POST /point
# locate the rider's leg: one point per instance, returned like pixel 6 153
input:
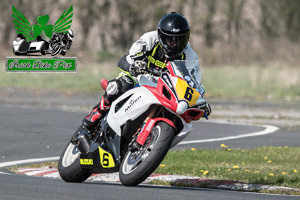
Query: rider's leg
pixel 115 88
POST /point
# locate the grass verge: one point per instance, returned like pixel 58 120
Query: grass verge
pixel 264 83
pixel 274 166
pixel 277 166
pixel 87 79
pixel 14 169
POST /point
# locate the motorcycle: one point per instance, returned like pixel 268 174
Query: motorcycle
pixel 139 129
pixel 58 45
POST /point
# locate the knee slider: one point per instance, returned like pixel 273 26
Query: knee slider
pixel 126 83
pixel 112 88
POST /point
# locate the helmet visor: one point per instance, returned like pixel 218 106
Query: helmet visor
pixel 174 44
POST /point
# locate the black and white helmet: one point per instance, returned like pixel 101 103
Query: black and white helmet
pixel 173 33
pixel 71 33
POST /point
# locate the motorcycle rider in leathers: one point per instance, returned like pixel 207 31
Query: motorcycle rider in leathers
pixel 152 50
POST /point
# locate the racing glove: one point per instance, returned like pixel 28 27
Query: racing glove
pixel 139 67
pixel 207 109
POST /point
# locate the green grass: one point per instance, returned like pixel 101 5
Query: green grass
pixel 270 82
pixel 263 83
pixel 277 166
pixel 87 79
pixel 14 169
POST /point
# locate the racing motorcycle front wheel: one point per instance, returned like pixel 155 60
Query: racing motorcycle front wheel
pixel 56 48
pixel 137 165
pixel 69 167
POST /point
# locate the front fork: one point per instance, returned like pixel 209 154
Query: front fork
pixel 141 138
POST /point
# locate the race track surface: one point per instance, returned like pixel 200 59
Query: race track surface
pixel 35 132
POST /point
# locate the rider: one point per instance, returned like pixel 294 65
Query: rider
pixel 152 50
pixel 65 37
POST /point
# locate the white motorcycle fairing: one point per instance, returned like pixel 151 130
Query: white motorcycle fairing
pixel 139 100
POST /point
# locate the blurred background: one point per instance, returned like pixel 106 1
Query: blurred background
pixel 248 49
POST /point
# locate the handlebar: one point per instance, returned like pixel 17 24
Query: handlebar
pixel 151 71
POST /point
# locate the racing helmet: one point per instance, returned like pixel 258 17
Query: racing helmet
pixel 71 33
pixel 173 33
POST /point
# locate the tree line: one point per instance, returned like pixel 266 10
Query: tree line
pixel 112 25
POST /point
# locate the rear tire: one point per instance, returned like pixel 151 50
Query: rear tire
pixel 136 168
pixel 69 167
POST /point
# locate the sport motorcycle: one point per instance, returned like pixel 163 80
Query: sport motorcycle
pixel 59 45
pixel 141 126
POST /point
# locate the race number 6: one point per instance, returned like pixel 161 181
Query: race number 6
pixel 105 159
pixel 188 94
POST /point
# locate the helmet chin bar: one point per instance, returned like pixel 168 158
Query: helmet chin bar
pixel 167 54
pixel 171 56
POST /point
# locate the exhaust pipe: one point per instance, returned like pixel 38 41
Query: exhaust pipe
pixel 84 144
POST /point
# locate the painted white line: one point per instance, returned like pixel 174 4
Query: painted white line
pixel 7 173
pixel 21 162
pixel 269 129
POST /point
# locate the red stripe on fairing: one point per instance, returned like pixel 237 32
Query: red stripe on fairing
pixel 170 68
pixel 157 92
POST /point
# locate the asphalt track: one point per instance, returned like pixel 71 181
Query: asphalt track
pixel 33 133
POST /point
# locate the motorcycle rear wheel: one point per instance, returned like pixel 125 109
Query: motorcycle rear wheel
pixel 69 167
pixel 137 166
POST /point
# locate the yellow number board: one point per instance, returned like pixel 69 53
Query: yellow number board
pixel 184 91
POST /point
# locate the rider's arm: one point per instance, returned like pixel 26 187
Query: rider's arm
pixel 124 64
pixel 138 50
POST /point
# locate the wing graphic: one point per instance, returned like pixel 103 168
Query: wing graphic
pixel 64 21
pixel 22 25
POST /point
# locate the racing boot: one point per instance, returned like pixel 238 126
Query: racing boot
pixel 91 120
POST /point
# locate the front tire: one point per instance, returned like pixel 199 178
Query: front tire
pixel 55 49
pixel 69 167
pixel 138 165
